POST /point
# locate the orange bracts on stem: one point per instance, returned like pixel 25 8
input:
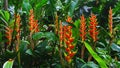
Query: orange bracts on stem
pixel 82 28
pixel 18 26
pixel 110 21
pixel 69 19
pixel 93 27
pixel 33 23
pixel 69 43
pixel 18 19
pixel 8 35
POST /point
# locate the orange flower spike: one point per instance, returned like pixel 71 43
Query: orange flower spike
pixel 69 19
pixel 110 21
pixel 82 28
pixel 31 20
pixel 93 27
pixel 18 26
pixel 33 23
pixel 8 35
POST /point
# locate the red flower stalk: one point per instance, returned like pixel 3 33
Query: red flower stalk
pixel 93 27
pixel 82 28
pixel 8 35
pixel 33 23
pixel 110 21
pixel 69 43
pixel 69 19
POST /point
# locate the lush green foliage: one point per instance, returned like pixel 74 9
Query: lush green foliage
pixel 46 48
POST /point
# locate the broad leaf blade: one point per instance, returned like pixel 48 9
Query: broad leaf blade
pixel 95 56
pixel 8 64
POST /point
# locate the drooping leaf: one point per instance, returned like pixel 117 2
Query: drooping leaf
pixel 8 64
pixel 100 61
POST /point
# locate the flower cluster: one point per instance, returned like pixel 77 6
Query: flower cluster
pixel 69 43
pixel 93 27
pixel 82 28
pixel 33 23
pixel 110 21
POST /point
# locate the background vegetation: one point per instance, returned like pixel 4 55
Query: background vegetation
pixel 22 46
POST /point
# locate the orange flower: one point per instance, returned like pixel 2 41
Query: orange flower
pixel 33 23
pixel 93 27
pixel 82 28
pixel 68 59
pixel 110 21
pixel 8 35
pixel 69 19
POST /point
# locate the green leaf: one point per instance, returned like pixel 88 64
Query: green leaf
pixel 26 6
pixel 72 7
pixel 8 64
pixel 41 3
pixel 77 23
pixel 50 36
pixel 7 15
pixel 95 56
pixel 115 47
pixel 23 45
pixel 29 52
pixel 2 14
pixel 90 65
pixel 38 35
pixel 118 42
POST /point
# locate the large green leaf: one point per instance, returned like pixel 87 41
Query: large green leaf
pixel 8 64
pixel 26 6
pixel 38 35
pixel 100 61
pixel 50 36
